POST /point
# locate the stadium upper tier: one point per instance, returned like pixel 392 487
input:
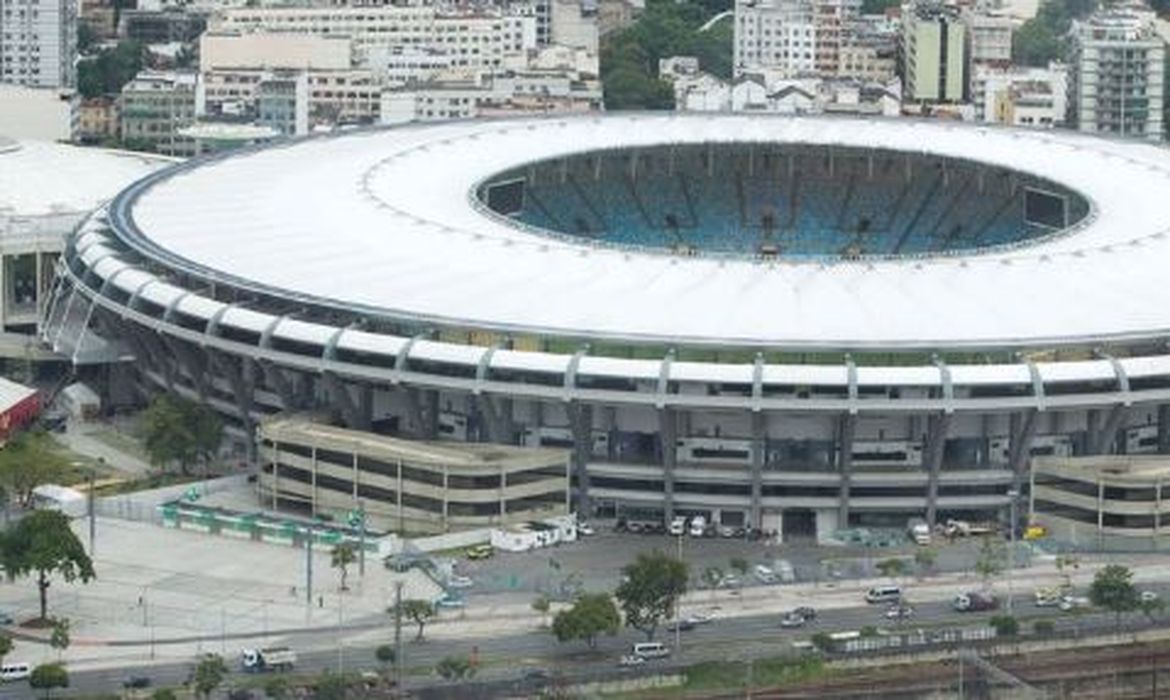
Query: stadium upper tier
pixel 393 226
pixel 789 201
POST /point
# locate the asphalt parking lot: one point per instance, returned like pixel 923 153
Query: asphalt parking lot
pixel 595 562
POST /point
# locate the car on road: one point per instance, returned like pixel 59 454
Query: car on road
pixel 533 680
pixel 457 581
pixel 651 650
pixel 899 612
pixel 632 660
pixel 15 671
pixel 683 625
pixel 809 614
pixel 136 682
pixel 764 574
pixel 1074 602
pixel 729 581
pixel 585 529
pixel 451 601
pixel 481 551
pixel 883 594
pixel 1047 597
pixel 974 602
pixel 1148 596
pixel 6 619
pixel 701 617
pixel 792 619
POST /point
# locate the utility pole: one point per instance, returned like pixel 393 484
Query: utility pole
pixel 90 508
pixel 1014 495
pixel 398 638
pixel 309 567
pixel 677 604
pixel 362 539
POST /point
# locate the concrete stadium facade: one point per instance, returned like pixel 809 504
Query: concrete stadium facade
pixel 789 434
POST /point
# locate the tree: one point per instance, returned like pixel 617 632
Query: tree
pixel 208 674
pixel 739 565
pixel 651 589
pixel 1043 627
pixel 330 686
pixel 5 646
pixel 453 668
pixel 385 655
pixel 925 558
pixel 276 688
pixel 28 461
pixel 343 555
pixel 990 562
pixel 892 568
pixel 49 676
pixel 110 69
pixel 419 612
pixel 542 605
pixel 1113 590
pixel 1005 625
pixel 43 544
pixel 175 430
pixel 591 615
pixel 59 637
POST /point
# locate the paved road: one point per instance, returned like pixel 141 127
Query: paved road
pixel 511 655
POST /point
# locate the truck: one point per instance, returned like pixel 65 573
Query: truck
pixel 974 602
pixel 919 531
pixel 270 659
pixel 962 528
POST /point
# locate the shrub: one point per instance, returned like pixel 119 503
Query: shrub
pixel 1005 625
pixel 1043 627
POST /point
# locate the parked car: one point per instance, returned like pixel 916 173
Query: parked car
pixel 481 551
pixel 729 581
pixel 726 531
pixel 136 682
pixel 792 619
pixel 585 529
pixel 450 601
pixel 1144 596
pixel 678 525
pixel 764 574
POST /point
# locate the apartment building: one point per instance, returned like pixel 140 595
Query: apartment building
pixel 777 36
pixel 38 43
pixel 1116 77
pixel 1021 96
pixel 932 57
pixel 155 106
pixel 480 39
pixel 831 21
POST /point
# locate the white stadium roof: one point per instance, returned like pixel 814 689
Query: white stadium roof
pixel 39 178
pixel 385 221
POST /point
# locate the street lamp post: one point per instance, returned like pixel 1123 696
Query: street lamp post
pixel 677 605
pixel 1014 495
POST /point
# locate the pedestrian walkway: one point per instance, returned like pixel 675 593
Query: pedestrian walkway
pixel 78 438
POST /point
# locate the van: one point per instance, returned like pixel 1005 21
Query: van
pixel 14 672
pixel 698 526
pixel 651 650
pixel 883 594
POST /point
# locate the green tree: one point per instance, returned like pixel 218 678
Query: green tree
pixel 1044 38
pixel 651 588
pixel 385 655
pixel 591 615
pixel 419 612
pixel 165 694
pixel 48 676
pixel 1043 627
pixel 175 430
pixel 1005 625
pixel 59 637
pixel 823 642
pixel 5 646
pixel 28 461
pixel 209 674
pixel 925 558
pixel 276 688
pixel 1113 590
pixel 454 668
pixel 106 73
pixel 990 562
pixel 330 686
pixel 541 606
pixel 1152 608
pixel 42 544
pixel 342 556
pixel 892 568
pixel 739 565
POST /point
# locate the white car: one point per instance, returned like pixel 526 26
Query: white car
pixel 764 574
pixel 729 581
pixel 899 612
pixel 632 660
pixel 792 619
pixel 700 618
pixel 1074 602
pixel 585 529
pixel 1148 596
pixel 457 581
pixel 678 526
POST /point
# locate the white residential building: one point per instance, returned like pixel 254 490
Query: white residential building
pixel 775 35
pixel 38 42
pixel 932 61
pixel 273 51
pixel 574 24
pixel 1021 96
pixel 473 39
pixel 1117 75
pixel 491 95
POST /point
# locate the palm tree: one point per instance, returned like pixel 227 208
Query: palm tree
pixel 343 556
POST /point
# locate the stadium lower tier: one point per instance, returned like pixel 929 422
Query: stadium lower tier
pixel 804 449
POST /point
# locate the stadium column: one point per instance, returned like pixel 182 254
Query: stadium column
pixel 191 362
pixel 430 414
pixel 581 424
pixel 759 453
pixel 227 368
pixel 846 428
pixel 343 401
pixel 276 378
pixel 668 440
pixel 936 440
pixel 1104 438
pixel 1021 446
pixel 1164 429
pixel 414 412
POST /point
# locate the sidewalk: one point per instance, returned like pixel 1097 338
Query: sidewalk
pixel 79 440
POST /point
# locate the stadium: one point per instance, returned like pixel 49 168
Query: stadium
pixel 794 324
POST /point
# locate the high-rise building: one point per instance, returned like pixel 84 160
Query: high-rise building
pixel 775 36
pixel 831 19
pixel 38 42
pixel 932 57
pixel 155 107
pixel 1116 80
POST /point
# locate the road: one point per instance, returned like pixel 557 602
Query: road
pixel 510 656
